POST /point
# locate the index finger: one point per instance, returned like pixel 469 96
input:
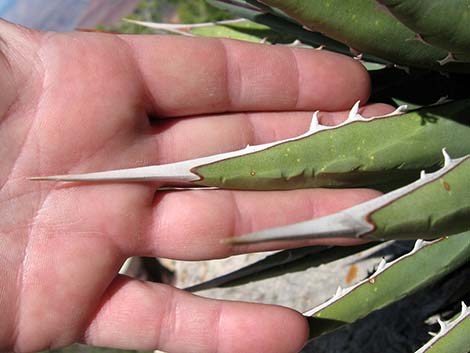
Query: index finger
pixel 188 76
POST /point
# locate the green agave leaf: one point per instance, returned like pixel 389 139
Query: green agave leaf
pixel 425 264
pixel 238 6
pixel 445 24
pixel 435 205
pixel 234 29
pixel 354 154
pixel 373 66
pixel 367 29
pixel 250 32
pixel 287 26
pixel 453 336
pixel 349 155
pixel 247 31
pixel 286 261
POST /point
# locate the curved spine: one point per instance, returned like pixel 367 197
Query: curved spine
pixel 435 205
pixel 391 282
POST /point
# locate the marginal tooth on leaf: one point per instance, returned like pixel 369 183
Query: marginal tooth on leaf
pixel 442 324
pixel 464 309
pixel 321 47
pixel 399 111
pixel 418 245
pixel 448 59
pixel 433 334
pixel 422 175
pixel 358 57
pixel 419 38
pixel 307 29
pixel 339 291
pixel 354 52
pixel 382 265
pixel 447 159
pixel 404 68
pixel 263 40
pixel 295 43
pixel 442 100
pixel 314 124
pixel 353 112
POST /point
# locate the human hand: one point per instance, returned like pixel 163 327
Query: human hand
pixel 80 102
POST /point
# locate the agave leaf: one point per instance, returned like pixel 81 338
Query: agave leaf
pixel 355 153
pixel 286 261
pixel 453 336
pixel 246 30
pixel 233 29
pixel 436 204
pixel 440 23
pixel 242 8
pixel 367 29
pixel 280 22
pixel 425 264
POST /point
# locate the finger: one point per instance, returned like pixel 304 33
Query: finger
pixel 187 76
pixel 187 138
pixel 189 225
pixel 144 316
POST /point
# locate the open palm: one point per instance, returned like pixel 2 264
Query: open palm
pixel 81 102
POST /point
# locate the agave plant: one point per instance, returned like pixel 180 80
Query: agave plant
pixel 418 53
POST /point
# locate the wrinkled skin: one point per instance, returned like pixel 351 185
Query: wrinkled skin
pixel 81 102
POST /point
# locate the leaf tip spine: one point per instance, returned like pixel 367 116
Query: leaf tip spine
pixel 39 178
pixel 52 178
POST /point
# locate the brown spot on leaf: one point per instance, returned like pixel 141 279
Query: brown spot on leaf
pixel 352 274
pixel 446 185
